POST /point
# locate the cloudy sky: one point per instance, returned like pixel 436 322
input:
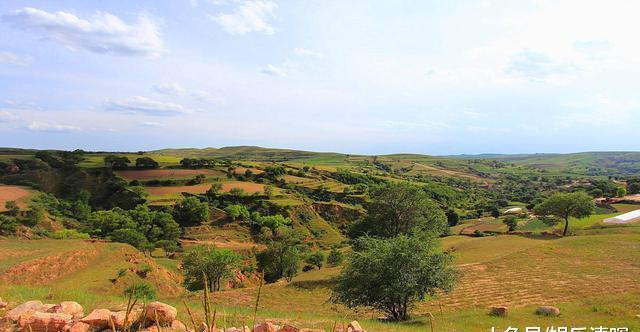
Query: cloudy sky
pixel 435 77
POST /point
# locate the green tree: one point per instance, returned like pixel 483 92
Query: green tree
pixel 511 222
pixel 12 208
pixel 116 162
pixel 452 218
pixel 634 188
pixel 401 208
pixel 621 192
pixel 495 212
pixel 565 205
pixel 237 211
pixel 129 236
pixel 391 275
pixel 268 191
pixel 335 256
pixel 281 258
pixel 216 264
pixel 146 163
pixel 316 259
pixel 190 211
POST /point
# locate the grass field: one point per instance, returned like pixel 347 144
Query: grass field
pixel 521 272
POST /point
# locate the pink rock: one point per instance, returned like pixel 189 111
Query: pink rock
pixel 177 325
pixel 164 312
pixel 119 318
pixel 68 307
pixel 98 319
pixel 24 310
pixel 79 327
pixel 289 328
pixel 354 327
pixel 45 322
pixel 266 327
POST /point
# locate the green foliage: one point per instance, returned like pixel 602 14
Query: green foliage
pixel 511 222
pixel 196 163
pixel 401 208
pixel 35 214
pixel 69 234
pixel 146 163
pixel 12 208
pixel 268 191
pixel 316 259
pixel 634 188
pixel 335 256
pixel 190 211
pixel 8 225
pixel 236 192
pixel 272 222
pixel 215 264
pixel 564 205
pixel 144 270
pixel 280 259
pixel 621 192
pixel 452 218
pixel 141 291
pixel 391 275
pixel 116 162
pixel 237 211
pixel 139 227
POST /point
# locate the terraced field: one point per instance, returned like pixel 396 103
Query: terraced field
pixel 148 174
pixel 14 193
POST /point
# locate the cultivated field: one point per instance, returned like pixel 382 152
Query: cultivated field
pixel 248 187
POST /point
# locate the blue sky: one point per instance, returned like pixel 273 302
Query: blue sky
pixel 434 77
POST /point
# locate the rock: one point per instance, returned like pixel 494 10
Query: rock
pixel 548 311
pixel 45 322
pixel 177 325
pixel 500 311
pixel 98 319
pixel 26 309
pixel 151 328
pixel 119 318
pixel 266 327
pixel 79 327
pixel 68 307
pixel 354 327
pixel 3 304
pixel 165 313
pixel 289 328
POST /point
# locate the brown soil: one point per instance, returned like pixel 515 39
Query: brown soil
pixel 43 270
pixel 13 193
pixel 248 187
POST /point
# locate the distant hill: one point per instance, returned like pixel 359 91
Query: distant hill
pixel 248 153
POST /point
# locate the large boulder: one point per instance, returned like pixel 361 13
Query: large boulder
pixel 119 317
pixel 354 327
pixel 548 310
pixel 24 310
pixel 68 307
pixel 98 319
pixel 44 322
pixel 266 327
pixel 164 313
pixel 499 311
pixel 79 327
pixel 177 325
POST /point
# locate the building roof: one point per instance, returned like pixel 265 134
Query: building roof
pixel 624 218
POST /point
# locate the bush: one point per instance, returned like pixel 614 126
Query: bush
pixel 335 257
pixel 142 291
pixel 69 234
pixel 511 222
pixel 215 264
pixel 391 275
pixel 316 259
pixel 144 270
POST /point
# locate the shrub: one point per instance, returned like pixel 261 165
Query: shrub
pixel 316 259
pixel 144 270
pixel 215 264
pixel 511 222
pixel 69 234
pixel 335 257
pixel 142 290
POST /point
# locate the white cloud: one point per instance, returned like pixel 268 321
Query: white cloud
pixel 273 70
pixel 102 33
pixel 249 16
pixel 171 89
pixel 538 66
pixel 153 124
pixel 15 59
pixel 471 114
pixel 206 97
pixel 144 105
pixel 306 52
pixel 53 127
pixel 6 116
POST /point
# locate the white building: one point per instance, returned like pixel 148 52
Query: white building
pixel 624 218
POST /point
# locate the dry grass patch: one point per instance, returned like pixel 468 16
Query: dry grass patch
pixel 13 193
pixel 148 174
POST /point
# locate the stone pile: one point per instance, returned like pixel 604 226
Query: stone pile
pixel 68 316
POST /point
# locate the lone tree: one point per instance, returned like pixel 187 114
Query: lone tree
pixel 401 208
pixel 391 275
pixel 281 258
pixel 215 264
pixel 146 163
pixel 565 205
pixel 190 211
